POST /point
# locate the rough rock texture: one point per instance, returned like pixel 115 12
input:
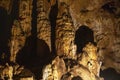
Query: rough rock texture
pixel 102 17
pixel 6 4
pixel 6 71
pixel 43 23
pixel 15 72
pixel 65 32
pixel 90 59
pixel 86 66
pixel 54 70
pixel 17 40
pixel 25 13
pixel 21 28
pixel 104 21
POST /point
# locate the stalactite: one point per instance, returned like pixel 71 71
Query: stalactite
pixel 25 13
pixel 65 33
pixel 6 4
pixel 17 40
pixel 21 28
pixel 43 24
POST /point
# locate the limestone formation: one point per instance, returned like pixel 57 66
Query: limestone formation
pixel 104 21
pixel 43 23
pixel 86 66
pixel 7 5
pixel 25 13
pixel 65 32
pixel 11 71
pixel 54 70
pixel 58 31
pixel 27 78
pixel 17 40
pixel 90 60
pixel 6 71
pixel 21 28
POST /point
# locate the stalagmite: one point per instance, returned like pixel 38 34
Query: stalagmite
pixel 86 66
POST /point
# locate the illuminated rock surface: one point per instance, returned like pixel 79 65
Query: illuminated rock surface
pixel 86 66
pixel 43 23
pixel 59 39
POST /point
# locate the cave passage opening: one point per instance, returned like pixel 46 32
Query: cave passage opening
pixel 83 36
pixel 110 74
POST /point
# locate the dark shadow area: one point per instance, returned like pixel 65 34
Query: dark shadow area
pixel 110 7
pixel 34 20
pixel 83 36
pixel 77 78
pixel 70 63
pixel 5 31
pixel 53 17
pixel 15 10
pixel 34 55
pixel 110 74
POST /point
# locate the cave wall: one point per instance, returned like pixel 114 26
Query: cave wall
pixel 103 19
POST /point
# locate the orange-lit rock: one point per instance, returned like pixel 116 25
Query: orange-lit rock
pixel 17 40
pixel 43 23
pixel 56 22
pixel 25 13
pixel 55 70
pixel 87 66
pixel 65 32
pixel 90 60
pixel 6 4
pixel 6 71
